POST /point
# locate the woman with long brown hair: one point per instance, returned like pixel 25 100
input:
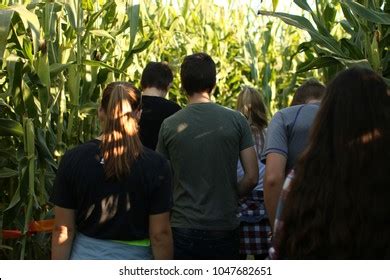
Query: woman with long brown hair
pixel 337 203
pixel 255 228
pixel 112 196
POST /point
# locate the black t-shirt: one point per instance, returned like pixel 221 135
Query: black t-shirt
pixel 112 209
pixel 154 111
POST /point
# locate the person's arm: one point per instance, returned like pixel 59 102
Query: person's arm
pixel 273 183
pixel 161 147
pixel 161 236
pixel 63 233
pixel 250 165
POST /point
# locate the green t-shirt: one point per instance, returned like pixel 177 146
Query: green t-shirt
pixel 203 142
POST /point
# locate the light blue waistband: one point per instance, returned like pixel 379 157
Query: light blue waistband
pixel 88 248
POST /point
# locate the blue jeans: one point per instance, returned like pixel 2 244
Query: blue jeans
pixel 88 248
pixel 194 244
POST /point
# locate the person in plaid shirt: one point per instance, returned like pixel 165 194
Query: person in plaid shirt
pixel 255 229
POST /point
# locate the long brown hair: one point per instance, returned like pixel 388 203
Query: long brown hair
pixel 120 145
pixel 251 105
pixel 338 206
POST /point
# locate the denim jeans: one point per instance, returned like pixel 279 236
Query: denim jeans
pixel 194 244
pixel 88 248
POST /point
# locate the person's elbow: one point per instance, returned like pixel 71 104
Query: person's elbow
pixel 253 179
pixel 161 236
pixel 273 180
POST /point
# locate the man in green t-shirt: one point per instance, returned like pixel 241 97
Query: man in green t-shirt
pixel 203 143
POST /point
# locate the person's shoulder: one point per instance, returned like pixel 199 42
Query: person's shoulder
pixel 291 109
pixel 159 101
pixel 80 152
pixel 228 111
pixel 172 105
pixel 86 147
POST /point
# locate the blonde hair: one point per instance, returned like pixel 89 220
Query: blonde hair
pixel 251 105
pixel 120 145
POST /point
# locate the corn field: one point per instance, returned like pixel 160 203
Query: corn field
pixel 56 56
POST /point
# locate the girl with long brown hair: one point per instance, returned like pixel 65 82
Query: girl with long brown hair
pixel 255 229
pixel 337 203
pixel 112 196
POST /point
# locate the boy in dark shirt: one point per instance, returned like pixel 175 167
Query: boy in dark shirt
pixel 155 81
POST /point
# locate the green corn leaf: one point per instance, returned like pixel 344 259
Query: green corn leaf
pixel 275 4
pixel 5 22
pixel 72 14
pixel 10 128
pixel 87 5
pixel 303 5
pixel 43 151
pixel 43 71
pixel 15 73
pixel 185 8
pixel 349 16
pixel 316 63
pixel 7 172
pixel 327 42
pixel 15 200
pixel 320 24
pixel 375 56
pixel 3 103
pixel 102 33
pixel 88 109
pixel 102 64
pixel 367 13
pixel 133 13
pixel 57 68
pixel 30 20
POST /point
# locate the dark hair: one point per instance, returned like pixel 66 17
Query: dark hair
pixel 338 206
pixel 251 105
pixel 311 89
pixel 198 73
pixel 120 145
pixel 158 75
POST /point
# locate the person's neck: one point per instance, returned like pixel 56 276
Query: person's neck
pixel 311 101
pixel 154 92
pixel 201 97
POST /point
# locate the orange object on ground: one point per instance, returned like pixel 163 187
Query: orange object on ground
pixel 41 226
pixel 34 227
pixel 11 234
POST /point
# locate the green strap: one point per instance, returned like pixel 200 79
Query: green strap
pixel 142 242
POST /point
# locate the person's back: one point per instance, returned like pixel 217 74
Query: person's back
pixel 112 191
pixel 155 81
pixel 287 137
pixel 288 132
pixel 203 143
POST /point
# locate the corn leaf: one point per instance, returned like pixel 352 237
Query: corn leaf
pixel 133 13
pixel 103 65
pixel 102 33
pixel 10 128
pixel 368 14
pixel 7 172
pixel 5 21
pixel 30 20
pixel 317 63
pixel 275 4
pixel 327 42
